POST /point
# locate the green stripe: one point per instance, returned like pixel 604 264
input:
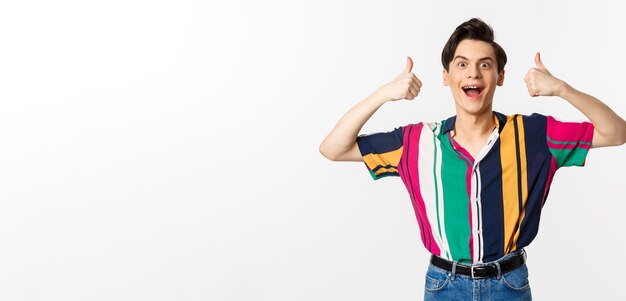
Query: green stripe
pixel 456 210
pixel 566 142
pixel 569 157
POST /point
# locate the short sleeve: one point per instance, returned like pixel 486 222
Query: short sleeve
pixel 381 152
pixel 569 142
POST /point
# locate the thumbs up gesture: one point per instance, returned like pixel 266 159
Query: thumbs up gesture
pixel 540 82
pixel 405 86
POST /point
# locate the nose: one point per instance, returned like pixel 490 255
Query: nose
pixel 473 72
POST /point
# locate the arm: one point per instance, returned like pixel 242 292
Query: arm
pixel 609 128
pixel 340 144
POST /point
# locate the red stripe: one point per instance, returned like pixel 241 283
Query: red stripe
pixel 576 132
pixel 410 177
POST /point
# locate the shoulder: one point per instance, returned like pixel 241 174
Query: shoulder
pixel 531 127
pixel 541 119
pixel 530 117
pixel 535 119
pixel 532 120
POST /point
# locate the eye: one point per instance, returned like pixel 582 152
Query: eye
pixel 461 64
pixel 484 65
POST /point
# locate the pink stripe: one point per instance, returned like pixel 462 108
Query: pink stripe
pixel 577 132
pixel 462 150
pixel 468 188
pixel 468 181
pixel 410 177
pixel 588 132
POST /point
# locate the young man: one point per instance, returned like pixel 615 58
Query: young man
pixel 477 180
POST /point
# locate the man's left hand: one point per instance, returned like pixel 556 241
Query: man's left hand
pixel 540 82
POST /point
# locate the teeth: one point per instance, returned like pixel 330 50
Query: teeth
pixel 470 87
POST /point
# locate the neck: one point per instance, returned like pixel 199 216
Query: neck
pixel 474 126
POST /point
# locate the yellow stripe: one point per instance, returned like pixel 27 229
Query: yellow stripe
pixel 523 174
pixel 389 158
pixel 496 121
pixel 384 170
pixel 509 182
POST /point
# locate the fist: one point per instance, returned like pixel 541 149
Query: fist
pixel 540 82
pixel 405 86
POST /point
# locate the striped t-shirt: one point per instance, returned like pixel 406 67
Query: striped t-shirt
pixel 477 210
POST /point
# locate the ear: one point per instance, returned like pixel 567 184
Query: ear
pixel 445 78
pixel 501 78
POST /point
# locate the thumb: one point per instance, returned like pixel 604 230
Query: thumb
pixel 539 63
pixel 409 65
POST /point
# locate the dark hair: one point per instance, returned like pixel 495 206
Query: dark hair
pixel 473 29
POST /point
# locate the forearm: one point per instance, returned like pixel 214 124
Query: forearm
pixel 605 121
pixel 343 136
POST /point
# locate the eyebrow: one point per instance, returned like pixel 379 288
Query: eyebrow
pixel 487 58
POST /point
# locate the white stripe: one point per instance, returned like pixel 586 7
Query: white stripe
pixel 427 185
pixel 480 220
pixel 442 219
pixel 483 152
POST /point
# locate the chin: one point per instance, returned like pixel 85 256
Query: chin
pixel 475 110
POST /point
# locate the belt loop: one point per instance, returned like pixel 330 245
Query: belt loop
pixel 453 273
pixel 499 270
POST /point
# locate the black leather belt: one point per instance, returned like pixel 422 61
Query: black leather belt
pixel 482 270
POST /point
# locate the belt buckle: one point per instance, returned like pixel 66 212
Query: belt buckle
pixel 472 271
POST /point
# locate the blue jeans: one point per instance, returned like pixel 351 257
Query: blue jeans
pixel 444 285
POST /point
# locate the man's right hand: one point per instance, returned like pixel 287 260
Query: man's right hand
pixel 405 86
pixel 340 144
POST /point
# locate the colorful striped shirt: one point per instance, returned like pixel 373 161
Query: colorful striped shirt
pixel 479 209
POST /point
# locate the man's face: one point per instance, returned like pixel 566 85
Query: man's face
pixel 473 76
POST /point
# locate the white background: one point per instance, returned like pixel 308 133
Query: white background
pixel 168 150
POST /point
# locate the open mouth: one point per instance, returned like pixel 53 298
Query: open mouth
pixel 472 91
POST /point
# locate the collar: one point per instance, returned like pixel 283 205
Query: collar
pixel 498 118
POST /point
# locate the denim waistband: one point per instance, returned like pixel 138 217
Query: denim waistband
pixel 495 263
